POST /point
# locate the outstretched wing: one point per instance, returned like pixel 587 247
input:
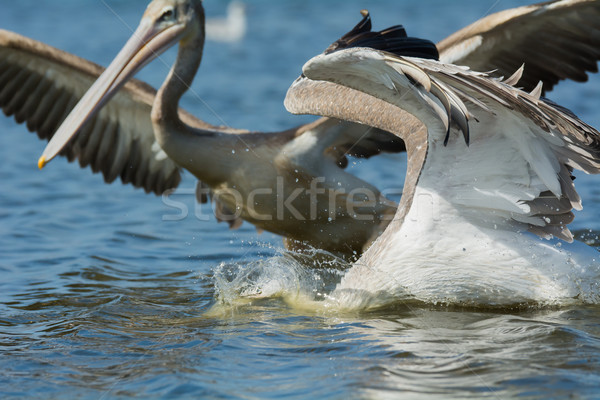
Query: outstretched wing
pixel 519 151
pixel 555 40
pixel 39 85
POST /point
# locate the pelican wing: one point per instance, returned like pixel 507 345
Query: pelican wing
pixel 39 85
pixel 518 152
pixel 338 139
pixel 556 40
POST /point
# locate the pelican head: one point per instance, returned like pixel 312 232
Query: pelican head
pixel 164 23
pixel 186 17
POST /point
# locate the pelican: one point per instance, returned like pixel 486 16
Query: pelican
pixel 290 182
pixel 488 190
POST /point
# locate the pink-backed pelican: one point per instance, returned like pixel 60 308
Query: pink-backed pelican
pixel 488 190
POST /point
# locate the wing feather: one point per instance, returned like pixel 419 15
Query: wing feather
pixel 556 40
pixel 39 85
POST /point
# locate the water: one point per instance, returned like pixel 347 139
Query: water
pixel 100 297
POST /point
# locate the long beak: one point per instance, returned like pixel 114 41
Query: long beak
pixel 146 43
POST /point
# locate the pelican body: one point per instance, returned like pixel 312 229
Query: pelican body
pixel 291 183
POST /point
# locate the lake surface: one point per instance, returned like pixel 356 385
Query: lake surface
pixel 102 295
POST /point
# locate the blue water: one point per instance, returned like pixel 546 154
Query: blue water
pixel 101 297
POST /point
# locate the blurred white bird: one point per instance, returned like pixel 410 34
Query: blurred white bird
pixel 232 28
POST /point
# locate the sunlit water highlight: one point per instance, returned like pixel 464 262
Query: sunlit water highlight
pixel 101 297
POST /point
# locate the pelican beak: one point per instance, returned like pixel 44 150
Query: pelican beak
pixel 148 41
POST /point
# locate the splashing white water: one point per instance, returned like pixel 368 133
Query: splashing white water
pixel 296 278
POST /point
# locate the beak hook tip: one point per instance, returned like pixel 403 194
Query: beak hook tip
pixel 42 162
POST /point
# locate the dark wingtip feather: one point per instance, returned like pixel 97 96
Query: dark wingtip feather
pixel 364 26
pixel 393 39
pixel 467 136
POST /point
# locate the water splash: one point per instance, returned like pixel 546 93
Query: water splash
pixel 296 278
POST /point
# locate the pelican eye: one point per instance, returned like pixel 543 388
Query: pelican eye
pixel 166 15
